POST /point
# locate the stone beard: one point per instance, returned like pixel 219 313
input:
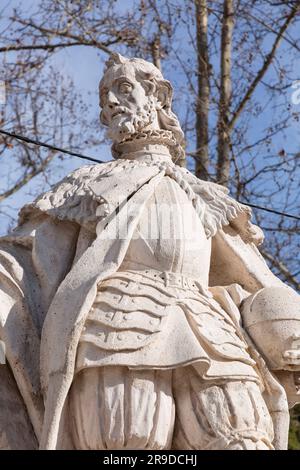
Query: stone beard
pixel 128 123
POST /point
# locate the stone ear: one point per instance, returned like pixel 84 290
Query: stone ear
pixel 164 94
pixel 103 118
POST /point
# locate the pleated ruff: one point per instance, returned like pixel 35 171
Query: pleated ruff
pixel 116 408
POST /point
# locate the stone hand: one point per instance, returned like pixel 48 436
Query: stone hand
pixel 291 356
pixel 291 383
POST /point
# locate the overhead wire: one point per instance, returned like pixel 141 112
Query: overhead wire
pixel 48 146
pixel 86 157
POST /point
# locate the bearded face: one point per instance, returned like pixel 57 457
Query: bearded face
pixel 126 108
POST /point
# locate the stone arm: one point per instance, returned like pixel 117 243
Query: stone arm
pixel 236 261
pixel 34 259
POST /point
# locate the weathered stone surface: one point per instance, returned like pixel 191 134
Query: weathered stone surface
pixel 272 318
pixel 16 432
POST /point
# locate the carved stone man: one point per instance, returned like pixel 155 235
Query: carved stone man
pixel 132 292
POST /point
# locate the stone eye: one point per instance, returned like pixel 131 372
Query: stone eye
pixel 125 88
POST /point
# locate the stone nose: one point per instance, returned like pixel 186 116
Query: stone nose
pixel 112 100
pixel 296 340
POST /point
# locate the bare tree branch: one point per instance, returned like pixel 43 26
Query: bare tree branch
pixel 223 165
pixel 202 104
pixel 155 49
pixel 267 62
pixel 28 177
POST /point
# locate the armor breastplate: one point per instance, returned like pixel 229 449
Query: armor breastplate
pixel 170 236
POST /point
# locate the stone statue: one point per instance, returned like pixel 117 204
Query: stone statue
pixel 135 307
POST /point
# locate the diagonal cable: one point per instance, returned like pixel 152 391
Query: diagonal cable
pixel 85 157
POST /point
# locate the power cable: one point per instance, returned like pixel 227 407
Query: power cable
pixel 85 157
pixel 51 147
